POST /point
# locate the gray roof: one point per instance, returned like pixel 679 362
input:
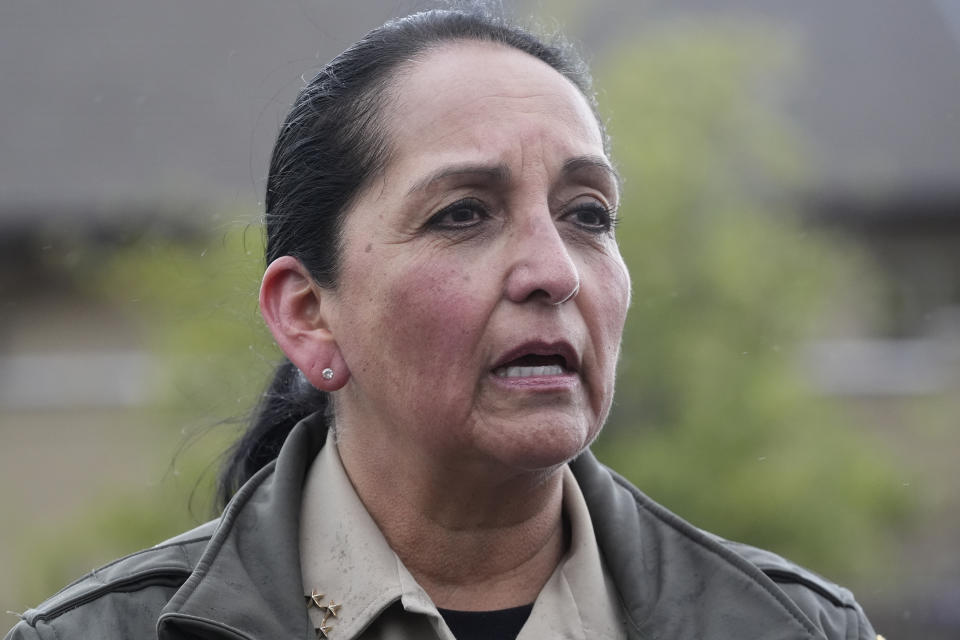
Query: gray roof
pixel 124 100
pixel 105 101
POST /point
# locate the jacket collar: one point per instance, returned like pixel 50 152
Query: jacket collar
pixel 674 581
pixel 247 583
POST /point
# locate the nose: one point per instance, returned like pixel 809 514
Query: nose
pixel 541 267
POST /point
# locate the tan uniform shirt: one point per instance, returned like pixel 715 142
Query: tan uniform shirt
pixel 345 557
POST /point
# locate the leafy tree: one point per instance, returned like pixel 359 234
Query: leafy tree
pixel 712 416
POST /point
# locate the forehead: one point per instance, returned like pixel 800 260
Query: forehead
pixel 478 97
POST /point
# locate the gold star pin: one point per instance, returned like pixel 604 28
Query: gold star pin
pixel 316 598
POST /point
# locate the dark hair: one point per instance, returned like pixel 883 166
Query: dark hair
pixel 330 145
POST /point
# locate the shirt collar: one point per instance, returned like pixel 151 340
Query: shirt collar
pixel 579 600
pixel 345 557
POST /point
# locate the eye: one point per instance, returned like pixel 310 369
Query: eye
pixel 592 216
pixel 462 214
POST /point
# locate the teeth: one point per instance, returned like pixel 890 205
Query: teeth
pixel 526 372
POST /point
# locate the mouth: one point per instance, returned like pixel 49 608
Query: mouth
pixel 533 360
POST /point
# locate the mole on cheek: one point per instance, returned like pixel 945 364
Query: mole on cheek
pixel 369 248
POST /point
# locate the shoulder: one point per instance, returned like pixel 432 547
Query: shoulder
pixel 138 585
pixel 830 606
pixel 641 538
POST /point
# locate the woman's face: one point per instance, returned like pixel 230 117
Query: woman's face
pixel 482 295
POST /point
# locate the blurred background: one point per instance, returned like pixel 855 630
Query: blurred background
pixel 791 367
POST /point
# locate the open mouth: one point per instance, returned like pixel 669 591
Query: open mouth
pixel 531 365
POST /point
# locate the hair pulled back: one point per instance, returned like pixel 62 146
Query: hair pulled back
pixel 329 147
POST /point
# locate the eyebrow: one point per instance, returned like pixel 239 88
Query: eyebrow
pixel 492 173
pixel 500 173
pixel 593 162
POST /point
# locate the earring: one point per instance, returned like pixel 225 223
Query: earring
pixel 572 294
pixel 327 374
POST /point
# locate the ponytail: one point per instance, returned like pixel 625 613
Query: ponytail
pixel 288 400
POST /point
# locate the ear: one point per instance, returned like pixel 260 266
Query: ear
pixel 291 304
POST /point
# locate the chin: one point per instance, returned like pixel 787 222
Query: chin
pixel 541 446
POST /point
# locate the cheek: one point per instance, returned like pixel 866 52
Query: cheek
pixel 427 319
pixel 433 325
pixel 610 313
pixel 618 292
pixel 612 283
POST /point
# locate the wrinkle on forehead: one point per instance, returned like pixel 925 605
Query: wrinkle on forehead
pixel 438 75
pixel 478 82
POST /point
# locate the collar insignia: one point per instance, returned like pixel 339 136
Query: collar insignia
pixel 315 599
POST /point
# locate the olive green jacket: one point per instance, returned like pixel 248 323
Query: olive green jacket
pixel 238 577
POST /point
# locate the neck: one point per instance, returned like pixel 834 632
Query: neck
pixel 473 540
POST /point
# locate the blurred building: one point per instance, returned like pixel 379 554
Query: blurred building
pixel 122 116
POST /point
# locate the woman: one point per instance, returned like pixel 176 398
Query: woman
pixel 444 279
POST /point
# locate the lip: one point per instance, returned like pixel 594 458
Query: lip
pixel 560 348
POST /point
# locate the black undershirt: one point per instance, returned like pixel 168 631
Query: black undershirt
pixel 503 624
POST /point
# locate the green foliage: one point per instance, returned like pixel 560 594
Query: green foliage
pixel 712 417
pixel 196 304
pixel 118 522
